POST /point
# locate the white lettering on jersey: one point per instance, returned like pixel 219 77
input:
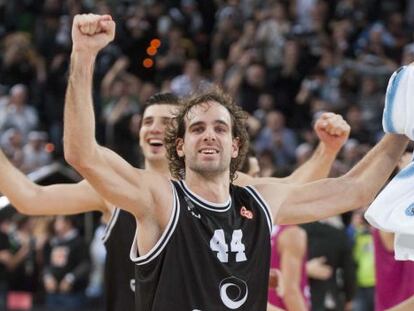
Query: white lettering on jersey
pixel 218 244
pixel 241 297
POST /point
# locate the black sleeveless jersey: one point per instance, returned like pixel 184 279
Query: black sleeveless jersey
pixel 211 257
pixel 119 270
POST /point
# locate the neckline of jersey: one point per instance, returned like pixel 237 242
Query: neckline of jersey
pixel 216 207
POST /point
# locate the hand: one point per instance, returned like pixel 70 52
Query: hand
pixel 276 281
pixel 317 269
pixel 274 278
pixel 50 284
pixel 91 33
pixel 332 130
pixel 65 286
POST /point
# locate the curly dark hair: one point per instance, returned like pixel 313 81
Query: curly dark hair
pixel 178 126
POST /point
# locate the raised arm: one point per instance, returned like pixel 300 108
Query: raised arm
pixel 123 186
pixel 332 196
pixel 333 131
pixel 60 199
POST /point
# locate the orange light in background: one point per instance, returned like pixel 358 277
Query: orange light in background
pixel 148 63
pixel 156 43
pixel 49 147
pixel 151 51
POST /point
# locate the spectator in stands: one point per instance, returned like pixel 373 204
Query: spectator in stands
pixel 66 270
pixel 17 113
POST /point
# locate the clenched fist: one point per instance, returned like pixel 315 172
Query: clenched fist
pixel 91 33
pixel 332 130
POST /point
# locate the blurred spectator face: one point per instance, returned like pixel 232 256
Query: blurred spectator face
pixel 369 86
pixel 18 95
pixel 395 23
pixel 15 138
pixel 249 28
pixel 147 90
pixel 151 135
pixel 318 105
pixel 192 68
pixel 275 121
pixel 62 225
pixel 291 52
pixel 266 102
pixel 375 35
pixel 256 75
pixel 119 88
pixel 219 70
pixel 354 116
pixel 278 12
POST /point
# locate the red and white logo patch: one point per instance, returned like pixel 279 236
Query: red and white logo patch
pixel 246 213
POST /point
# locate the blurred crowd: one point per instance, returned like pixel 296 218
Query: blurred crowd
pixel 285 62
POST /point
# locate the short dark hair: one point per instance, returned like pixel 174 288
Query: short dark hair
pixel 177 129
pixel 161 99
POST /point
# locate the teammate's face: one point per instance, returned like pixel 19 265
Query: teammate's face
pixel 208 145
pixel 151 135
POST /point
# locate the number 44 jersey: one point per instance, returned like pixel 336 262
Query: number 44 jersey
pixel 210 257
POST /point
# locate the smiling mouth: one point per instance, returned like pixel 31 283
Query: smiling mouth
pixel 155 142
pixel 208 151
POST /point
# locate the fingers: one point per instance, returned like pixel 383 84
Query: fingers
pixel 91 24
pixel 333 124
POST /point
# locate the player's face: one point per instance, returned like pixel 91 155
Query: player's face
pixel 208 145
pixel 151 135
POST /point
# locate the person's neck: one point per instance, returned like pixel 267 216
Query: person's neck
pixel 211 188
pixel 160 167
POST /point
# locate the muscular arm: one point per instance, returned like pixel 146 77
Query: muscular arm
pixel 31 199
pixel 333 132
pixel 292 247
pixel 112 177
pixel 332 196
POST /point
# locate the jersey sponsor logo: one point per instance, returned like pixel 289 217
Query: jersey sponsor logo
pixel 191 208
pixel 246 213
pixel 409 211
pixel 132 284
pixel 233 292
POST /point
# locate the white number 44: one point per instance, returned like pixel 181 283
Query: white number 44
pixel 218 244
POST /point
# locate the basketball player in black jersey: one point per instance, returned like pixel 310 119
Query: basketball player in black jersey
pixel 203 242
pixel 63 199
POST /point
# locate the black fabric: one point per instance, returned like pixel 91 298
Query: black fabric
pixel 332 243
pixel 119 269
pixel 187 274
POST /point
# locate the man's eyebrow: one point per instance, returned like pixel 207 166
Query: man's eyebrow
pixel 196 124
pixel 222 122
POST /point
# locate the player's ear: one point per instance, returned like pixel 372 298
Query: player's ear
pixel 179 147
pixel 235 147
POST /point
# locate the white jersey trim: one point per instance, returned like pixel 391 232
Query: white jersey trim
pixel 215 207
pixel 165 237
pixel 111 223
pixel 263 204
